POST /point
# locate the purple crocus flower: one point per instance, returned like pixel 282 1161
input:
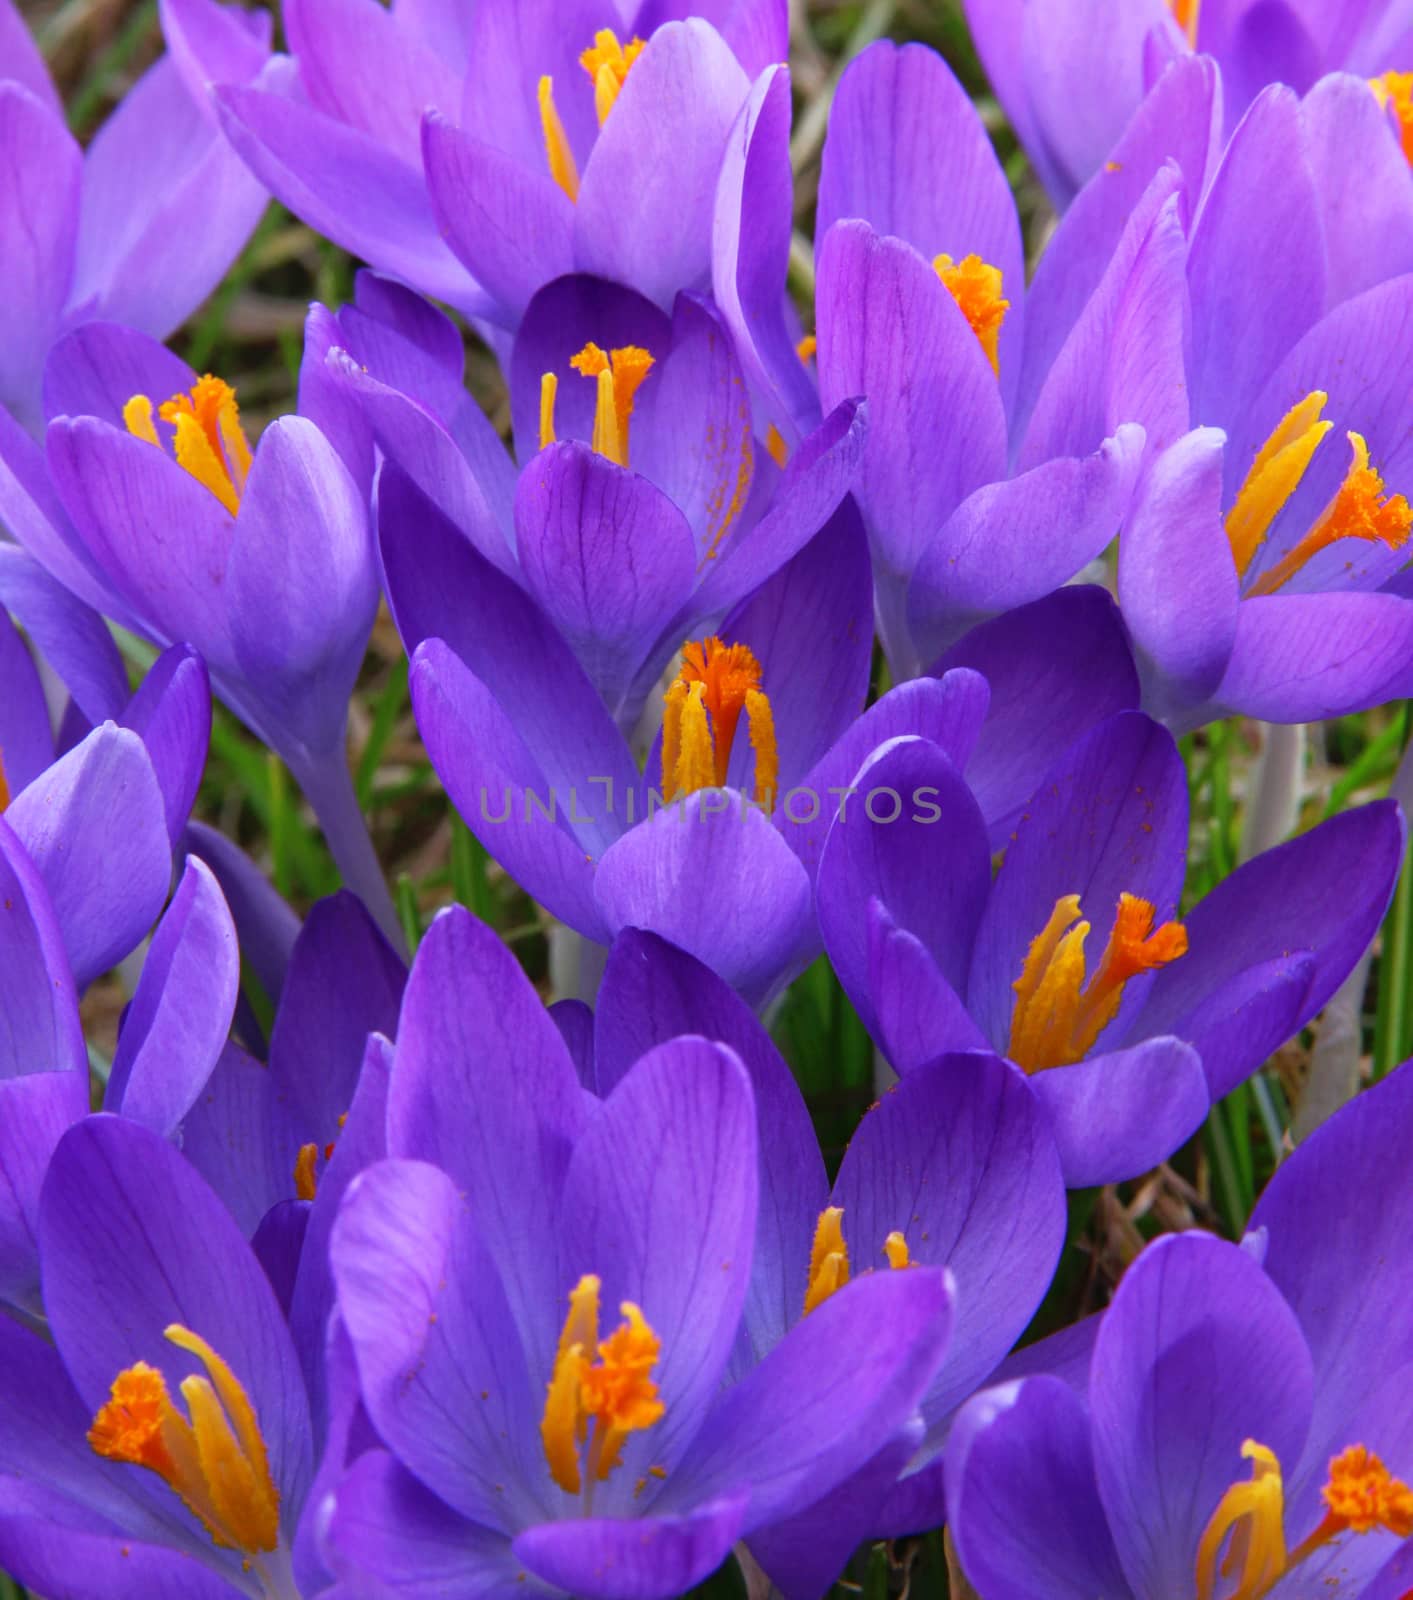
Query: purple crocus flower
pixel 558 1453
pixel 1003 448
pixel 1244 1431
pixel 129 231
pixel 954 1167
pixel 1071 73
pixel 479 153
pixel 1127 1045
pixel 162 1442
pixel 151 507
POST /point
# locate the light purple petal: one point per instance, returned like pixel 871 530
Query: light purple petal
pixel 171 714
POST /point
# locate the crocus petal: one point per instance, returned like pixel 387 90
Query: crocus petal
pixel 68 1561
pixel 1197 1353
pixel 95 827
pixel 97 368
pixel 608 556
pixel 23 60
pixel 26 740
pixel 420 1295
pixel 889 330
pixel 948 712
pixel 916 1014
pixel 1117 1114
pixel 345 185
pixel 266 925
pixel 1322 893
pixel 669 1158
pixel 1174 543
pixel 1022 1503
pixel 213 43
pixel 240 1139
pixel 1245 321
pixel 171 714
pixel 829 1396
pixel 278 1244
pixel 35 1112
pixel 1055 669
pixel 959 1159
pixel 712 875
pixel 181 1010
pixel 1015 541
pixel 915 840
pixel 38 227
pixel 633 1558
pixel 131 1241
pixel 467 1003
pixel 758 31
pixel 512 227
pixel 1337 1269
pixel 652 992
pixel 385 1526
pixel 662 145
pixel 1110 819
pixel 69 636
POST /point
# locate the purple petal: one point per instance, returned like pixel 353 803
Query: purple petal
pixel 241 1140
pixel 278 1244
pixel 1055 669
pixel 176 1025
pixel 1197 1353
pixel 23 60
pixel 959 1159
pixel 35 1112
pixel 916 1015
pixel 265 924
pixel 633 1558
pixel 213 43
pixel 70 637
pixel 1117 1114
pixel 1174 542
pixel 888 329
pixel 712 875
pixel 663 144
pixel 503 1136
pixel 38 228
pixel 660 1203
pixel 171 714
pixel 1015 541
pixel 510 226
pixel 830 1395
pixel 1022 1503
pixel 132 1240
pixel 38 1001
pixel 26 739
pixel 758 31
pixel 69 1559
pixel 652 992
pixel 608 556
pixel 440 1361
pixel 95 827
pixel 95 370
pixel 1110 819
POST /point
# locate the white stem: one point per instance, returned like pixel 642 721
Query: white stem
pixel 1334 1062
pixel 1275 801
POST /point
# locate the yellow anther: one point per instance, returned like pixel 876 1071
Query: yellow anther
pixel 895 1247
pixel 976 287
pixel 209 440
pixel 1361 1496
pixel 216 1461
pixel 619 375
pixel 806 348
pixel 549 390
pixel 593 1405
pixel 305 1183
pixel 701 711
pixel 562 166
pixel 607 62
pixel 1359 510
pixel 4 786
pixel 1396 89
pixel 776 448
pixel 1275 475
pixel 1056 1018
pixel 1185 14
pixel 829 1258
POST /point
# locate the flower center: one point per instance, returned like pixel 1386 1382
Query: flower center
pixel 607 63
pixel 592 1405
pixel 306 1183
pixel 209 440
pixel 216 1461
pixel 1396 89
pixel 1057 1018
pixel 701 711
pixel 618 375
pixel 1359 508
pixel 1361 1495
pixel 829 1257
pixel 976 287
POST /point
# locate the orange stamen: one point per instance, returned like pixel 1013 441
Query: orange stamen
pixel 718 682
pixel 619 375
pixel 607 62
pixel 1396 89
pixel 976 287
pixel 210 442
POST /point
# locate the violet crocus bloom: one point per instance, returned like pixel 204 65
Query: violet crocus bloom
pixel 133 230
pixel 479 153
pixel 162 1443
pixel 954 1167
pixel 150 505
pixel 1125 1045
pixel 1071 73
pixel 1244 1431
pixel 1003 447
pixel 543 1445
